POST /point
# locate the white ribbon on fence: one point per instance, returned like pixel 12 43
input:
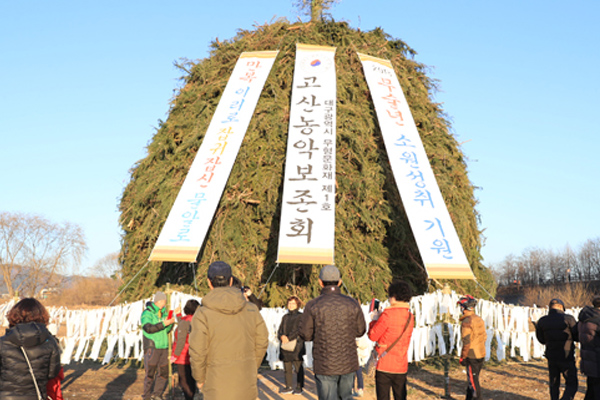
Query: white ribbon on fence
pixel 119 328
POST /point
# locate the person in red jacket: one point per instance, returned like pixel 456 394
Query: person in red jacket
pixel 394 324
pixel 181 356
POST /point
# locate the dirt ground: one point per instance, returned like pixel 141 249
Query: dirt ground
pixel 514 381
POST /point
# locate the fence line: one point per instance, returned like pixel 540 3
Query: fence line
pixel 509 328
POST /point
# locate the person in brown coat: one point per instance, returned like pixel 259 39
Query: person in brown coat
pixel 228 340
pixel 472 329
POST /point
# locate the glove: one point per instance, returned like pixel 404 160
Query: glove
pixel 462 362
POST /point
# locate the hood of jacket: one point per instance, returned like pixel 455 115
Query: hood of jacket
pixel 154 308
pixel 226 300
pixel 590 313
pixel 466 314
pixel 30 334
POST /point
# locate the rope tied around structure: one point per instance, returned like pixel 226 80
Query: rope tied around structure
pixel 128 283
pixel 193 267
pixel 268 280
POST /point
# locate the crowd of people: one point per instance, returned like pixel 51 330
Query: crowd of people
pixel 220 344
pixel 225 340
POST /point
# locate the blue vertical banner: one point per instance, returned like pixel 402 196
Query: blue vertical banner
pixel 433 229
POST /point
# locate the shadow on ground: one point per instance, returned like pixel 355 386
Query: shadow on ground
pixel 115 389
pixel 75 370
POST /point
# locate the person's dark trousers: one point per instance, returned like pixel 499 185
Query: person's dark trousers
pixel 186 381
pixel 384 381
pixel 569 371
pixel 335 387
pixel 473 369
pixel 360 384
pixel 297 365
pixel 156 364
pixel 593 389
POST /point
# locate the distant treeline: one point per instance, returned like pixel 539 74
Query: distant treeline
pixel 541 267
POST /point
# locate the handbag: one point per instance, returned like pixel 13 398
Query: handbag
pixel 37 389
pixel 374 357
pixel 290 345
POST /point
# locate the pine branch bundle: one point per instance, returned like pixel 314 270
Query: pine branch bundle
pixel 374 243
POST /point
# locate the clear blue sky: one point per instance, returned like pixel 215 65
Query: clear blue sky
pixel 82 85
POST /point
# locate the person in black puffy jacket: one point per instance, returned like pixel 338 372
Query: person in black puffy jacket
pixel 27 334
pixel 558 331
pixel 333 321
pixel 589 337
pixel 292 359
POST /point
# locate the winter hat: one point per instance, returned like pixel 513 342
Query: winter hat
pixel 467 302
pixel 554 302
pixel 160 296
pixel 330 273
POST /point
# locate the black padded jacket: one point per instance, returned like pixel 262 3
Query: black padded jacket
pixel 589 337
pixel 43 352
pixel 333 321
pixel 289 327
pixel 558 331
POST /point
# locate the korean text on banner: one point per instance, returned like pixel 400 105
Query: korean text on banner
pixel 307 228
pixel 436 237
pixel 184 231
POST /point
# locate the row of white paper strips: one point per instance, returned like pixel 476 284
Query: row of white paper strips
pixel 119 327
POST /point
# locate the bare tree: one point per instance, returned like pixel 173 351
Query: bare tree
pixel 589 259
pixel 555 267
pixel 536 264
pixel 108 267
pixel 508 270
pixel 34 252
pixel 569 262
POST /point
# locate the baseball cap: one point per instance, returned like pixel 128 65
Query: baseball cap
pixel 219 269
pixel 160 296
pixel 330 273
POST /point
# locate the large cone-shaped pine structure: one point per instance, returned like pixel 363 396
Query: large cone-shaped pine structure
pixel 373 240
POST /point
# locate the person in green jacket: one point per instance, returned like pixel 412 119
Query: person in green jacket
pixel 156 328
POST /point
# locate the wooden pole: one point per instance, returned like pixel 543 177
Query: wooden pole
pixel 446 358
pixel 315 10
pixel 170 387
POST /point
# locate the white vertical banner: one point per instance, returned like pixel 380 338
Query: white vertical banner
pixel 184 231
pixel 307 226
pixel 434 232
